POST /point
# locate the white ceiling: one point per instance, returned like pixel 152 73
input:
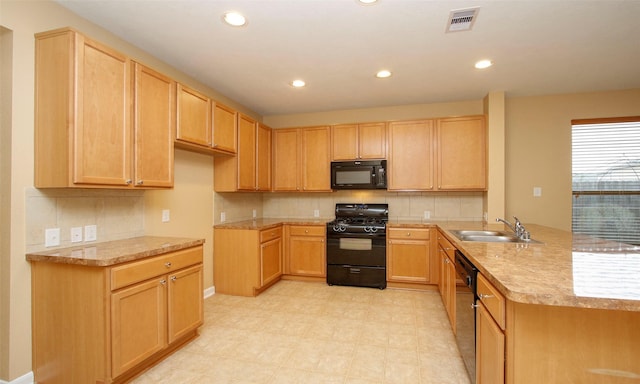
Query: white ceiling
pixel 336 46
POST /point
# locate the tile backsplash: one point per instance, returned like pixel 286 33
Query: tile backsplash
pixel 116 214
pixel 445 206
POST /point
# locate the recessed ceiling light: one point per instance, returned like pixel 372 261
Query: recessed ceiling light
pixel 482 64
pixel 383 74
pixel 234 19
pixel 367 2
pixel 298 83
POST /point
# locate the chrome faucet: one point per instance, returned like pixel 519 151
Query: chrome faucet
pixel 517 228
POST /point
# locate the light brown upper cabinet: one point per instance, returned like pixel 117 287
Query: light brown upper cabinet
pixel 450 151
pixel 359 141
pixel 461 153
pixel 410 165
pixel 194 117
pixel 153 127
pixel 263 158
pixel 224 128
pixel 250 170
pixel 302 159
pixel 86 133
pixel 203 124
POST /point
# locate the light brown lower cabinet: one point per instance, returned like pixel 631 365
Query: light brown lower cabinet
pixel 490 339
pixel 107 324
pixel 246 261
pixel 306 251
pixel 448 277
pixel 409 255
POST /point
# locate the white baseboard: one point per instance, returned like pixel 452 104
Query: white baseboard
pixel 208 292
pixel 24 379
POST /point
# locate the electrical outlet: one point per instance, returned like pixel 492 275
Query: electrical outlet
pixel 51 237
pixel 427 215
pixel 316 213
pixel 255 213
pixel 90 233
pixel 76 234
pixel 223 217
pixel 166 216
pixel 537 191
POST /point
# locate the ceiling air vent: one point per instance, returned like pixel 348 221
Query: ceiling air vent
pixel 462 19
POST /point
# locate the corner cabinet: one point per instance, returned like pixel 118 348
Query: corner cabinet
pixel 409 255
pixel 250 170
pixel 246 261
pixel 107 324
pixel 461 144
pixel 302 159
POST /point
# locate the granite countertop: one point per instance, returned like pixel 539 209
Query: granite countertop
pixel 565 269
pixel 114 252
pixel 259 224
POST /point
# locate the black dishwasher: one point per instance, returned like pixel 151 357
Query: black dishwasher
pixel 466 313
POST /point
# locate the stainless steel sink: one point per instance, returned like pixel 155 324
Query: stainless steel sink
pixel 490 237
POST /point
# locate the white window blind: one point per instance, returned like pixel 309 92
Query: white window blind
pixel 606 179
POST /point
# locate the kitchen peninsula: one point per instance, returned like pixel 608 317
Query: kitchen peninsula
pixel 569 305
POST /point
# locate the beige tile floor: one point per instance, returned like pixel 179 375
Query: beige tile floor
pixel 300 332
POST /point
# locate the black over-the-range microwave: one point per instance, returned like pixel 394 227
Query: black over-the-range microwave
pixel 369 174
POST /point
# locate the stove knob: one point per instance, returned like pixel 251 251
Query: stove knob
pixel 374 229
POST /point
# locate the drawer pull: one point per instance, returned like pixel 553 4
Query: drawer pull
pixel 174 278
pixel 408 233
pixel 163 281
pixel 167 264
pixel 484 296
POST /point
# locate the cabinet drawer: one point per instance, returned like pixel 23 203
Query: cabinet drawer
pixel 492 300
pixel 307 230
pixel 270 234
pixel 409 233
pixel 446 246
pixel 130 273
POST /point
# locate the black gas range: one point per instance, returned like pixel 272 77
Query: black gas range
pixel 356 246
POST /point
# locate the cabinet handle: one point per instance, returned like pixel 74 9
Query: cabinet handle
pixel 408 233
pixel 128 181
pixel 139 182
pixel 484 296
pixel 167 264
pixel 174 278
pixel 163 281
pixel 306 231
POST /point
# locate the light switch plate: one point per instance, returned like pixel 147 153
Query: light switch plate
pixel 166 215
pixel 90 233
pixel 537 191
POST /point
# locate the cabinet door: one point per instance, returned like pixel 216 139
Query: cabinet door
pixel 263 155
pixel 270 261
pixel 372 141
pixel 408 261
pixel 316 159
pixel 138 323
pixel 410 155
pixel 451 292
pixel 307 256
pixel 194 117
pixel 490 350
pixel 185 302
pixel 224 128
pixel 246 153
pixel 154 124
pixel 102 133
pixel 462 157
pixel 344 140
pixel 285 160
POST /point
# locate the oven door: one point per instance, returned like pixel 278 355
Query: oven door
pixel 361 250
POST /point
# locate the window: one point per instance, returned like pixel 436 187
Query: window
pixel 606 178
